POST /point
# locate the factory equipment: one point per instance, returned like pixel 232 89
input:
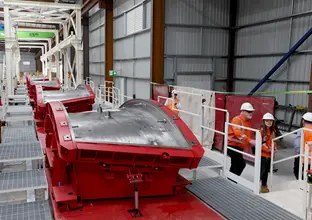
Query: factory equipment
pixel 44 82
pixel 75 100
pixel 134 151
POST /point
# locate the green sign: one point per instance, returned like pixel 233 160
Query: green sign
pixel 29 34
pixel 112 72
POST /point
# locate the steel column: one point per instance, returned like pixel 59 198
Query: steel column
pixel 78 49
pixel 66 50
pixel 109 40
pixel 158 41
pixel 9 41
pixel 231 46
pixel 310 95
pixel 86 64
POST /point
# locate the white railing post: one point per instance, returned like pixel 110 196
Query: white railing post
pixel 100 95
pixel 306 155
pixel 271 166
pixel 104 93
pixel 202 123
pixel 226 135
pixel 257 162
pixel 113 96
pixel 302 148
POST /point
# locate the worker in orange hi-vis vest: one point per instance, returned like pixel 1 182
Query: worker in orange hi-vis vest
pixel 175 104
pixel 240 138
pixel 268 132
pixel 307 123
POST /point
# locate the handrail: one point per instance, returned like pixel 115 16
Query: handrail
pixel 254 186
pixel 290 157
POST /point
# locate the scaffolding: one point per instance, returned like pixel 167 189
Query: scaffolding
pixel 67 16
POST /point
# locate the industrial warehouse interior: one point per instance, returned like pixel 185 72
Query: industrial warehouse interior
pixel 155 109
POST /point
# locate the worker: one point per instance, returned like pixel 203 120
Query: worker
pixel 307 123
pixel 267 131
pixel 240 138
pixel 174 107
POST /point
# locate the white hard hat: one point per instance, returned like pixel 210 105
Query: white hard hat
pixel 247 107
pixel 307 116
pixel 268 116
pixel 174 91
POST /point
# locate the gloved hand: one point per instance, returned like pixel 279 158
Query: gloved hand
pixel 252 142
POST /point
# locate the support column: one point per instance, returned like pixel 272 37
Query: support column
pixel 86 61
pixel 231 46
pixel 57 65
pixel 39 65
pixel 158 41
pixel 13 72
pixel 78 49
pixel 18 60
pixel 8 49
pixel 109 40
pixel 65 65
pixel 57 57
pixel 49 65
pixel 310 95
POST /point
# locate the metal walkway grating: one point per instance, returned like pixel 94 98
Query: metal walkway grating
pixel 19 118
pixel 24 180
pixel 207 162
pixel 20 151
pixel 19 109
pixel 19 134
pixel 39 210
pixel 235 202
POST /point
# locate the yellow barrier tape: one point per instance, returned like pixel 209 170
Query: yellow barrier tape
pixel 256 93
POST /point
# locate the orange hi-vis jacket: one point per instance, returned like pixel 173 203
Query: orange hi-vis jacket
pixel 307 138
pixel 239 137
pixel 176 101
pixel 267 142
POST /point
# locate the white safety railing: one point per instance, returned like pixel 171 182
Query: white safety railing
pixel 303 168
pixel 88 81
pixel 5 101
pixel 307 194
pixel 108 95
pixel 252 185
pixel 287 158
pixel 199 138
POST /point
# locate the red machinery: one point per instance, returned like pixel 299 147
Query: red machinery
pixel 29 79
pixel 136 150
pixel 44 82
pixel 75 100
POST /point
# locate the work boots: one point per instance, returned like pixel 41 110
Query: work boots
pixel 264 189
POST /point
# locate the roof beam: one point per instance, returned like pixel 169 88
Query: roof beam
pixel 88 5
pixel 41 4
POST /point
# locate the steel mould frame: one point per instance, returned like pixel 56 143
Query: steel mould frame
pixel 72 165
pixel 44 82
pixel 72 105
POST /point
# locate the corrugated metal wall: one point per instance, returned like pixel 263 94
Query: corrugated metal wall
pixel 28 58
pixel 196 42
pixel 258 48
pixel 132 46
pixel 96 45
pixel 25 57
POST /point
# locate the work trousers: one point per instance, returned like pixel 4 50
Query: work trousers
pixel 265 169
pixel 238 162
pixel 296 168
